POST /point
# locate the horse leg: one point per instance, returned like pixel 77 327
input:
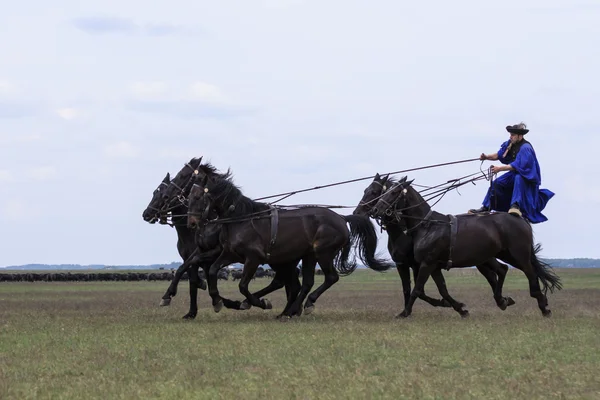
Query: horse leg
pixel 495 273
pixel 172 289
pixel 404 273
pixel 535 290
pixel 292 288
pixel 227 303
pixel 194 284
pixel 331 277
pixel 440 282
pixel 308 280
pixel 221 261
pixel 250 267
pixel 277 283
pixel 422 296
pixel 425 271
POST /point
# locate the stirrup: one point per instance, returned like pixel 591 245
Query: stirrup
pixel 515 211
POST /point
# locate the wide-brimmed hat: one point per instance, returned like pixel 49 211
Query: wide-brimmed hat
pixel 519 129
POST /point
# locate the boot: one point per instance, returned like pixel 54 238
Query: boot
pixel 515 210
pixel 479 210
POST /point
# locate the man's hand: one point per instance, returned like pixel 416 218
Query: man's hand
pixel 499 168
pixel 483 157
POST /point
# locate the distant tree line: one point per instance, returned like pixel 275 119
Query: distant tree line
pixel 573 262
pixel 25 276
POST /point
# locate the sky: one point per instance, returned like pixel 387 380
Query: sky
pixel 100 99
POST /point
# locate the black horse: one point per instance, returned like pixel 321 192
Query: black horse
pixel 205 240
pixel 255 233
pixel 400 246
pixel 185 243
pixel 189 251
pixel 466 240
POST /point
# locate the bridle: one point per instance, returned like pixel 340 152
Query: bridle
pixel 181 197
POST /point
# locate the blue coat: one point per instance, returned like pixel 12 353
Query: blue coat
pixel 520 186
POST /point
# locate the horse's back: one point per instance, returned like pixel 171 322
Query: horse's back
pixel 501 227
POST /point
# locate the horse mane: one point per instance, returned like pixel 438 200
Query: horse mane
pixel 228 194
pixel 213 172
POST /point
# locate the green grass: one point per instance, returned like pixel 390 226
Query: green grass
pixel 111 340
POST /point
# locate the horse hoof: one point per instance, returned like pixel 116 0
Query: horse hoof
pixel 510 301
pixel 217 307
pixel 547 313
pixel 309 309
pixel 189 316
pixel 245 305
pixel 283 318
pixel 267 304
pixel 202 285
pixel 165 303
pixel 464 314
pixel 403 314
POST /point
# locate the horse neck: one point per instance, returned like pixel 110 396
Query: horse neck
pixel 416 208
pixel 243 206
pixel 394 229
pixel 179 220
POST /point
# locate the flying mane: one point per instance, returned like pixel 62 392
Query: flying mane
pixel 228 193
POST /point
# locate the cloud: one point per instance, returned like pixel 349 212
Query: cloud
pixel 43 173
pixel 5 175
pixel 121 150
pixel 149 90
pixel 6 138
pixel 100 25
pixel 6 88
pixel 17 109
pixel 191 109
pixel 280 4
pixel 68 113
pixel 198 100
pixel 161 29
pixel 206 92
pixel 14 210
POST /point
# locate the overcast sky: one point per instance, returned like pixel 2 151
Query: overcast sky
pixel 99 99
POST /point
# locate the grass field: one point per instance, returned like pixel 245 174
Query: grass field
pixel 112 341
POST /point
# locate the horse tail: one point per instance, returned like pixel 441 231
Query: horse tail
pixel 341 263
pixel 547 276
pixel 362 233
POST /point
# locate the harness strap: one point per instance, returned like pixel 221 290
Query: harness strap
pixel 424 220
pixel 453 231
pixel 274 226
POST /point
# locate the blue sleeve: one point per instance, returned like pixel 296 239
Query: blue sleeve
pixel 501 152
pixel 526 165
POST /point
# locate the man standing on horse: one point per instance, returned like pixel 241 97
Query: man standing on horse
pixel 518 191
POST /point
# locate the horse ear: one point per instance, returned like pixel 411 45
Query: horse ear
pixel 407 184
pixel 403 179
pixel 167 177
pixel 377 177
pixel 385 178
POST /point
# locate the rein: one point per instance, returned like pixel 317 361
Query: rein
pixel 288 194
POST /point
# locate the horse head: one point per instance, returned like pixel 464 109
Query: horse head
pixel 153 213
pixel 394 198
pixel 179 187
pixel 371 195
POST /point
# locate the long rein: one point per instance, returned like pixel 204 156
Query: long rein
pixel 440 191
